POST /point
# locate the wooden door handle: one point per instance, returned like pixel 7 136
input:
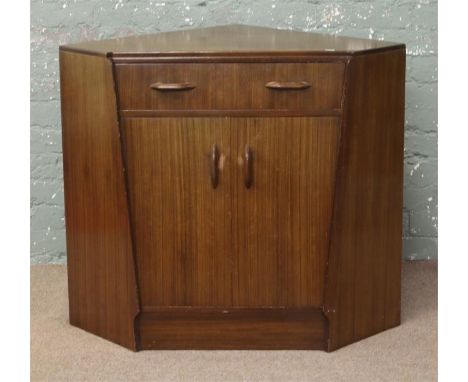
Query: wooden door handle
pixel 248 167
pixel 214 162
pixel 275 85
pixel 172 86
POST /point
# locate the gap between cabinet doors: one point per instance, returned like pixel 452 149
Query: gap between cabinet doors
pixel 255 237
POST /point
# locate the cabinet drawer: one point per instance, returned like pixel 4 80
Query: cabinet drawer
pixel 226 86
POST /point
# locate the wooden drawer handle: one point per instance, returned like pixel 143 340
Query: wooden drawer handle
pixel 214 170
pixel 175 86
pixel 287 85
pixel 248 167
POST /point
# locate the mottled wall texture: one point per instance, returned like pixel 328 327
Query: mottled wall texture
pixel 413 22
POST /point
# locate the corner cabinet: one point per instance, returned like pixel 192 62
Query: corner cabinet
pixel 233 187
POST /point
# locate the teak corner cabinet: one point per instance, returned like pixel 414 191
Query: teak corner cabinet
pixel 233 187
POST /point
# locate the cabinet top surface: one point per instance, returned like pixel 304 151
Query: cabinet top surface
pixel 230 39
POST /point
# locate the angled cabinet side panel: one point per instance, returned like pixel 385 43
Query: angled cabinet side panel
pixel 102 283
pixel 363 281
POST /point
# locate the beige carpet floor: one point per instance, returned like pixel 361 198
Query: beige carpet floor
pixel 60 352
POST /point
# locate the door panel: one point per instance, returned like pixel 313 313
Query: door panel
pixel 181 224
pixel 281 222
pixel 231 246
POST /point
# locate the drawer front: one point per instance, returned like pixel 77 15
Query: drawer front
pixel 237 86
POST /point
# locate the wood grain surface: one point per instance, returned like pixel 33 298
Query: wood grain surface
pixel 230 39
pixel 182 224
pixel 233 215
pixel 231 246
pixel 240 328
pixel 364 276
pixel 280 224
pixel 101 278
pixel 224 86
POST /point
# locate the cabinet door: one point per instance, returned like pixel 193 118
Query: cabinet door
pixel 281 224
pixel 181 223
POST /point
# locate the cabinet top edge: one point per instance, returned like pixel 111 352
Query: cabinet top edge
pixel 231 40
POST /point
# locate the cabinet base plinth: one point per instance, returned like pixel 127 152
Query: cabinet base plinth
pixel 239 328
